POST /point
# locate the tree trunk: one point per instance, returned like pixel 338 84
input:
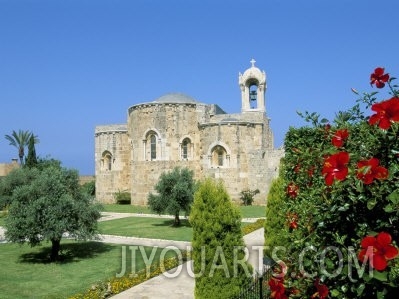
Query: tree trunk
pixel 21 154
pixel 177 220
pixel 55 250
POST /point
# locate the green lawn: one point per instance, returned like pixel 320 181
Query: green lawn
pixel 2 220
pixel 252 211
pixel 144 227
pixel 246 211
pixel 26 273
pixel 126 209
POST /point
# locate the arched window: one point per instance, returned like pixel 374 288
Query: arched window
pixel 186 149
pixel 218 156
pixel 153 146
pixel 106 161
pixel 253 96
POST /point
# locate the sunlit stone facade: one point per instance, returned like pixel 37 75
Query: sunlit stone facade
pixel 177 130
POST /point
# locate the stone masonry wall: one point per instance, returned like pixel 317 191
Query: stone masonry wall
pixel 251 161
pixel 171 123
pixel 6 168
pixel 114 140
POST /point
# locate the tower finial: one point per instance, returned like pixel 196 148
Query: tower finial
pixel 253 62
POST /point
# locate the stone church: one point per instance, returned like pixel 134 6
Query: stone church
pixel 178 130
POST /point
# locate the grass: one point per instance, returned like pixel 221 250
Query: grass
pixel 154 228
pixel 2 221
pixel 246 211
pixel 26 272
pixel 145 227
pixel 126 209
pixel 252 211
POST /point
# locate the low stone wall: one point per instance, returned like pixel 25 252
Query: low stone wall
pixel 6 168
pixel 83 179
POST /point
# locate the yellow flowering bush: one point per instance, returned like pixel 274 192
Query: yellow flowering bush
pixel 116 285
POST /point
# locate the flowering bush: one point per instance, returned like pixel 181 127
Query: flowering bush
pixel 341 202
pixel 116 285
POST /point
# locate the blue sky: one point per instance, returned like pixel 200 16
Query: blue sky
pixel 67 66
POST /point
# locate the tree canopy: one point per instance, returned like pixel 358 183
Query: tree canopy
pixel 175 193
pixel 47 204
pixel 31 159
pixel 21 140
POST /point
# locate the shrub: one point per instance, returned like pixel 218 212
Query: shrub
pixel 123 198
pixel 341 205
pixel 89 188
pixel 116 285
pixel 217 243
pixel 251 227
pixel 247 196
pixel 275 233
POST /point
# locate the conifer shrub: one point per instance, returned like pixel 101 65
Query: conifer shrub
pixel 218 245
pixel 275 233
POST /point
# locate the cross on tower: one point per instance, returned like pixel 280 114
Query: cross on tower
pixel 253 62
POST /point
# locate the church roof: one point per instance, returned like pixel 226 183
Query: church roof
pixel 176 98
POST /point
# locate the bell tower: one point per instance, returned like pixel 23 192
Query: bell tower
pixel 253 87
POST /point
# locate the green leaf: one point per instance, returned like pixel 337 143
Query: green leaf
pixel 345 207
pixel 335 293
pixel 388 208
pixel 371 203
pixel 360 289
pixel 344 288
pixel 381 294
pixel 394 197
pixel 381 276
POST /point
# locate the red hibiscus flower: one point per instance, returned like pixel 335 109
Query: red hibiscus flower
pixel 292 220
pixel 387 112
pixel 368 170
pixel 277 289
pixel 379 78
pixel 339 137
pixel 322 290
pixel 381 250
pixel 292 190
pixel 335 167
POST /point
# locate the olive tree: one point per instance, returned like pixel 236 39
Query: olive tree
pixel 48 206
pixel 175 193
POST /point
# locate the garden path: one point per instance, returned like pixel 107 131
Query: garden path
pixel 2 231
pixel 112 215
pixel 179 284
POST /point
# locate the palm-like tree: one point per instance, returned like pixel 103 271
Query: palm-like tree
pixel 20 140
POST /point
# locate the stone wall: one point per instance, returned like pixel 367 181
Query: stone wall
pixel 250 162
pixel 112 142
pixel 171 123
pixel 83 179
pixel 6 168
pixel 249 144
